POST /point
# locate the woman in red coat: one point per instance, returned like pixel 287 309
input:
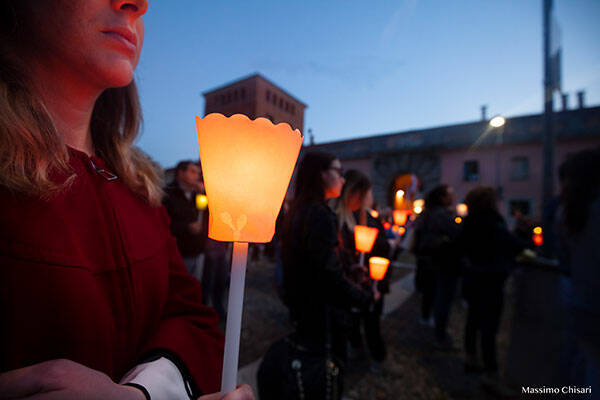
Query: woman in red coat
pixel 95 301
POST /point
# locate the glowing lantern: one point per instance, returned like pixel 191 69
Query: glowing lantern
pixel 374 213
pixel 401 231
pixel 364 239
pixel 247 166
pixel 387 225
pixel 400 217
pixel 201 201
pixel 458 220
pixel 378 267
pixel 538 239
pixel 537 230
pixel 399 198
pixel 462 210
pixel 418 206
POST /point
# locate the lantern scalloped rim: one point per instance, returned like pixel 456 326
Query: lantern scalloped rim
pixel 256 120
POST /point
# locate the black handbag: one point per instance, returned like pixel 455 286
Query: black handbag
pixel 293 369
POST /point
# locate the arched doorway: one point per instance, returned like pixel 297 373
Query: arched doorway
pixel 403 190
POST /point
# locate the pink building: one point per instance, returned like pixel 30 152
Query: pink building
pixel 469 155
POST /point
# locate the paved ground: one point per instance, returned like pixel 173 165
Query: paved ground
pixel 414 369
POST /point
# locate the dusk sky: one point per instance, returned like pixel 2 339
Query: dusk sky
pixel 362 67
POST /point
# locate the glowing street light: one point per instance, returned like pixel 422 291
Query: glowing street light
pixel 497 121
pixel 247 166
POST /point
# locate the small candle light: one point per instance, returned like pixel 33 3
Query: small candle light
pixel 364 239
pixel 462 210
pixel 400 217
pixel 418 206
pixel 378 267
pixel 201 202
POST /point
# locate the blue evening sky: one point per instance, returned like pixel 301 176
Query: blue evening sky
pixel 363 67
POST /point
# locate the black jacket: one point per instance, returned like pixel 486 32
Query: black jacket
pixel 313 277
pixel 436 235
pixel 488 244
pixel 183 212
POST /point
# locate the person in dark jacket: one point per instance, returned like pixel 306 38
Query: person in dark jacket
pixel 351 211
pixel 316 291
pixel 186 220
pixel 579 231
pixel 490 249
pixel 438 259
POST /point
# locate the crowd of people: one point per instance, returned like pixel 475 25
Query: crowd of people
pixel 110 287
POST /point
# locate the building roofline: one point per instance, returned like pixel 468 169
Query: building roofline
pixel 248 77
pixel 458 125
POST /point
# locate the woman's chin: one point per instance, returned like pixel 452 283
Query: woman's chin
pixel 119 75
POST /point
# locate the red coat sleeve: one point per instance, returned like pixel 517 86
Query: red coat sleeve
pixel 187 328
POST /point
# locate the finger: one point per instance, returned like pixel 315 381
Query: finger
pixel 212 396
pixel 20 382
pixel 243 392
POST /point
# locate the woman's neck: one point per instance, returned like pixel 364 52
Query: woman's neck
pixel 69 104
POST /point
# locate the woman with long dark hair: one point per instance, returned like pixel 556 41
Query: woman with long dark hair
pixel 95 301
pixel 316 290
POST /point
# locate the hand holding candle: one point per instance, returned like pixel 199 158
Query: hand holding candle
pixel 247 166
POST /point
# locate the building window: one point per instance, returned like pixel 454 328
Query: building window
pixel 293 109
pixel 222 99
pixel 471 171
pixel 280 103
pixel 268 95
pixel 519 168
pixel 520 204
pixel 235 95
pixel 243 93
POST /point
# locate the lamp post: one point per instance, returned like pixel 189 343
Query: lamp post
pixel 498 123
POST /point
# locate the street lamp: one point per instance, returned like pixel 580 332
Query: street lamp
pixel 498 123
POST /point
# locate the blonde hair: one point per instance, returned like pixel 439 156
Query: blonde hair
pixel 31 149
pixel 357 183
